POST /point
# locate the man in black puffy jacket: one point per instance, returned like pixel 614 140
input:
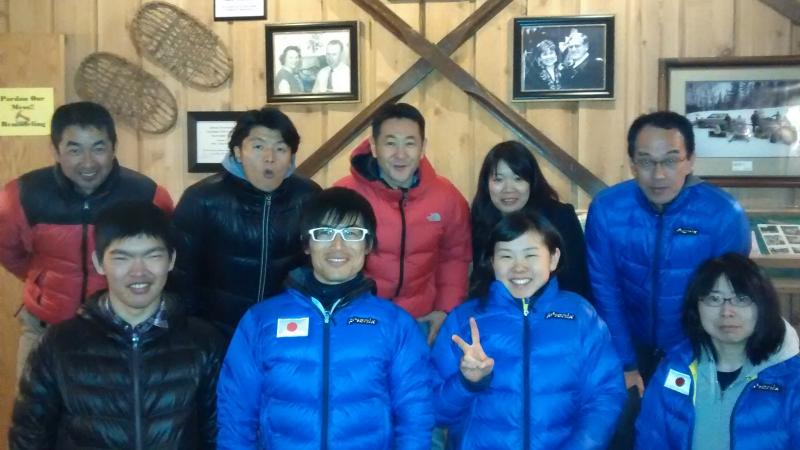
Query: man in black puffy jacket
pixel 131 371
pixel 238 228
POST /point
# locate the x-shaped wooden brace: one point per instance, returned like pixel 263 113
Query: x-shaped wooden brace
pixel 437 57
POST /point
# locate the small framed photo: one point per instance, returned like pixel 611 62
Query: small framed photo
pixel 745 112
pixel 312 62
pixel 563 58
pixel 208 136
pixel 229 10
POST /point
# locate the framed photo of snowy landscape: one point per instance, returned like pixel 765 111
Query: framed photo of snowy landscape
pixel 745 112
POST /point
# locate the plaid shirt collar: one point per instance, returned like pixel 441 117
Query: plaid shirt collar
pixel 159 319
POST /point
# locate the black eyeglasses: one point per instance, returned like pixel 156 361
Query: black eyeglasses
pixel 328 234
pixel 716 301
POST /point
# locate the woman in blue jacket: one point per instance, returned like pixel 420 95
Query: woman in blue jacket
pixel 735 384
pixel 326 363
pixel 540 371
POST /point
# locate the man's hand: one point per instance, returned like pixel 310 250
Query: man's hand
pixel 435 320
pixel 633 378
pixel 475 365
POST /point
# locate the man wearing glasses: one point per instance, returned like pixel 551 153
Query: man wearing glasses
pixel 646 236
pixel 326 363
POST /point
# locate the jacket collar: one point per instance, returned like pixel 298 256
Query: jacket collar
pixel 499 294
pixel 678 203
pixel 302 280
pixel 173 312
pixel 67 186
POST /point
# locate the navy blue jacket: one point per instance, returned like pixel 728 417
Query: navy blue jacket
pixel 557 382
pixel 640 261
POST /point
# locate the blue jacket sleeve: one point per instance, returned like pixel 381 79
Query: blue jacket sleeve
pixel 239 389
pixel 651 432
pixel 605 287
pixel 603 395
pixel 411 387
pixel 734 233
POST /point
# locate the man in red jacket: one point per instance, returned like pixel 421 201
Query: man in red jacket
pixel 424 251
pixel 47 217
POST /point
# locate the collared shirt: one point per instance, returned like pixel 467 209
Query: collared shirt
pixel 158 319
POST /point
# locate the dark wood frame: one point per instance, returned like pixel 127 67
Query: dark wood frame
pixel 192 119
pixel 667 65
pixel 231 19
pixel 351 26
pixel 604 93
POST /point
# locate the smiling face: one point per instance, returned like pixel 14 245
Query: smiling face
pixel 337 261
pixel 398 149
pixel 265 157
pixel 136 269
pixel 507 190
pixel 86 157
pixel 292 60
pixel 333 54
pixel 548 56
pixel 524 265
pixel 659 184
pixel 727 325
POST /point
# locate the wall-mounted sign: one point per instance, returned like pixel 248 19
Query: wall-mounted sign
pixel 25 111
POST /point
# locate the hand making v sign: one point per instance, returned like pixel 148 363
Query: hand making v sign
pixel 475 365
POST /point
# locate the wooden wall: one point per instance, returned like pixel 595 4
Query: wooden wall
pixel 460 131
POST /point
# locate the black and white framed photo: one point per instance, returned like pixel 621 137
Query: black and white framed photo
pixel 208 136
pixel 312 62
pixel 563 58
pixel 229 10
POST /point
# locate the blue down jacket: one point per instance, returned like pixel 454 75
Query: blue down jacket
pixel 765 416
pixel 640 261
pixel 557 382
pixel 355 378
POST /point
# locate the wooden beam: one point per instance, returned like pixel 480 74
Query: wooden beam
pixel 788 8
pixel 460 77
pixel 407 81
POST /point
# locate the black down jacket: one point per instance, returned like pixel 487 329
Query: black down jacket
pixel 91 385
pixel 237 244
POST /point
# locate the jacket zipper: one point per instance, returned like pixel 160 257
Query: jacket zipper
pixel 262 278
pixel 402 205
pixel 526 409
pixel 137 401
pixel 733 413
pixel 656 278
pixel 84 249
pixel 326 333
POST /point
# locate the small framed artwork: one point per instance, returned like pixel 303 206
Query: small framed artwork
pixel 312 62
pixel 229 10
pixel 563 58
pixel 208 136
pixel 745 113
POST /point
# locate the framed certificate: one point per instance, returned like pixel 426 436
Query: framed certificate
pixel 209 133
pixel 228 10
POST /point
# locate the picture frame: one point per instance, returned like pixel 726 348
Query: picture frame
pixel 207 138
pixel 745 113
pixel 231 10
pixel 312 62
pixel 563 58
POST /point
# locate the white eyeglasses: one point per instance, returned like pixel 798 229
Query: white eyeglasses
pixel 328 234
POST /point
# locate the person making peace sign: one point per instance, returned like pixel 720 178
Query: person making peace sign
pixel 540 371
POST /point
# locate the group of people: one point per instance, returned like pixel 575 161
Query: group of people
pixel 384 312
pixel 333 77
pixel 564 65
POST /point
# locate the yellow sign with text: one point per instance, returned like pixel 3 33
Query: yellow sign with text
pixel 25 111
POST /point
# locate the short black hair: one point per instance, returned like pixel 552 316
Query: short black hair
pixel 510 227
pixel 747 279
pixel 667 120
pixel 339 206
pixel 129 219
pixel 267 117
pixel 82 114
pixel 282 58
pixel 397 111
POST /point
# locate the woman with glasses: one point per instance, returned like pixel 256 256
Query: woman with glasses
pixel 511 180
pixel 735 383
pixel 326 363
pixel 526 365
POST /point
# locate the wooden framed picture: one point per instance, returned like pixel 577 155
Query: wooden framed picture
pixel 563 58
pixel 745 112
pixel 312 62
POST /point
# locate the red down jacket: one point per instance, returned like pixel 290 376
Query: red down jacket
pixel 424 241
pixel 47 236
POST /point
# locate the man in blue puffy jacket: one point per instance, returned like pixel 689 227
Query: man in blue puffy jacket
pixel 326 363
pixel 646 236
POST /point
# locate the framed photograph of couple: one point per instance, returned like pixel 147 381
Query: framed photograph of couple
pixel 745 113
pixel 563 58
pixel 312 62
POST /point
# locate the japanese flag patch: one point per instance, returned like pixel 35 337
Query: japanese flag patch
pixel 678 382
pixel 293 327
